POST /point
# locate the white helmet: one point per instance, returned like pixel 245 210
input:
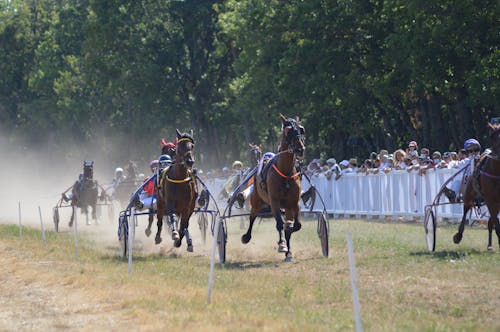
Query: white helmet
pixel 118 170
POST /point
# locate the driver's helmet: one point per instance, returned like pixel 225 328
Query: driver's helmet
pixel 237 163
pixel 267 156
pixel 164 160
pixel 153 165
pixel 472 144
pixel 118 172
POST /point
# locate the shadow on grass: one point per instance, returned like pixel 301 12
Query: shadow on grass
pixel 448 254
pixel 246 265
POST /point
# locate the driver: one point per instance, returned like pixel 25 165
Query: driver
pixel 473 151
pixel 150 191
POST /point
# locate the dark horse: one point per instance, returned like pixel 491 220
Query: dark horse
pixel 280 187
pixel 485 183
pixel 84 192
pixel 178 192
pixel 254 155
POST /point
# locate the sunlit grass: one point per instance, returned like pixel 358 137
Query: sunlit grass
pixel 401 285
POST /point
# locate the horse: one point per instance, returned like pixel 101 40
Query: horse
pixel 178 192
pixel 254 154
pixel 280 187
pixel 84 192
pixel 124 189
pixel 485 183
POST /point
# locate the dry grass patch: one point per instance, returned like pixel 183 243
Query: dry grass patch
pixel 401 286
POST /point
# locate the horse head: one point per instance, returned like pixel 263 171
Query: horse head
pixel 494 131
pixel 185 148
pixel 88 169
pixel 255 154
pixel 293 137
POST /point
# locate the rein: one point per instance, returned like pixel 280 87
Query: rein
pixel 293 176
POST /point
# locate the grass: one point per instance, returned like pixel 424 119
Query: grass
pixel 401 286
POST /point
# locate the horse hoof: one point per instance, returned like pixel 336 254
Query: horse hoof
pixel 190 248
pixel 148 232
pixel 288 259
pixel 245 238
pixel 177 243
pixel 158 239
pixel 70 224
pixel 175 236
pixel 457 238
pixel 282 247
pixel 490 248
pixel 297 226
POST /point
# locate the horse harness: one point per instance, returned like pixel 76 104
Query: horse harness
pixel 479 171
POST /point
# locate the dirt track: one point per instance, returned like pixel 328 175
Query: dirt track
pixel 32 298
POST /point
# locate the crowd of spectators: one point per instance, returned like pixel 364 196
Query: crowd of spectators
pixel 411 159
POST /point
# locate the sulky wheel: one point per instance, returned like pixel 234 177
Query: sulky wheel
pixel 123 234
pixel 55 217
pixel 323 233
pixel 221 242
pixel 430 229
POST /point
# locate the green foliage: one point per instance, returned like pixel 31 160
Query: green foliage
pixel 362 75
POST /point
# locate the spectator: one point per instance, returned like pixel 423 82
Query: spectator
pixel 365 167
pixel 353 164
pixel 373 158
pixel 412 149
pixel 462 155
pixel 389 164
pixel 399 160
pixel 344 168
pixel 333 168
pixel 436 158
pixel 453 163
pixel 445 161
pixel 314 167
pixel 384 162
pixel 414 163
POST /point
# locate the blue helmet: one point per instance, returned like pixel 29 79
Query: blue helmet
pixel 268 155
pixel 164 160
pixel 471 142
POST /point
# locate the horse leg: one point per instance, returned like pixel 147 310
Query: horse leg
pixel 184 231
pixel 458 236
pixel 245 238
pixel 189 240
pixel 150 222
pixel 297 225
pixel 289 229
pixel 173 226
pixel 493 222
pixel 282 242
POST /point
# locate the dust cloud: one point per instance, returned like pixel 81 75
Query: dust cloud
pixel 35 176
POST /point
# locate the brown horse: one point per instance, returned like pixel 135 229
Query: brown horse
pixel 280 187
pixel 179 192
pixel 485 183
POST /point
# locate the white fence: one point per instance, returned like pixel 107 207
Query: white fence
pixel 397 193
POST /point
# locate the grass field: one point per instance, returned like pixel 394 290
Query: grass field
pixel 401 286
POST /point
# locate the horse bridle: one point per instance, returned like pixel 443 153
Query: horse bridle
pixel 187 152
pixel 293 133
